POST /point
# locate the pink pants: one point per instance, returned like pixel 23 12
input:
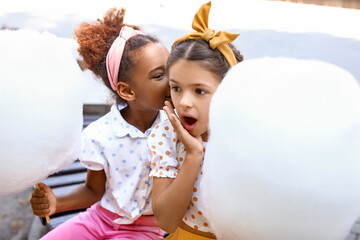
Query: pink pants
pixel 97 223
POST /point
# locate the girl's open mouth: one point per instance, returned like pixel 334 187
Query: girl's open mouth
pixel 189 123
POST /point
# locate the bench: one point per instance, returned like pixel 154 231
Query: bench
pixel 354 232
pixel 67 179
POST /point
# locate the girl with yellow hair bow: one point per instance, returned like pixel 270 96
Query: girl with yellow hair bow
pixel 196 65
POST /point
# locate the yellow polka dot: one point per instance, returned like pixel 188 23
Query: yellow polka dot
pixel 166 128
pixel 181 159
pixel 160 173
pixel 205 224
pixel 167 169
pixel 185 149
pixel 167 153
pixel 177 167
pixel 153 135
pixel 174 139
pixel 157 126
pixel 192 216
pixel 175 174
pixel 199 212
pixel 160 167
pixel 195 190
pixel 196 227
pixel 161 157
pixel 154 164
pixel 195 199
pixel 164 135
pixel 160 143
pixel 185 218
pixel 153 147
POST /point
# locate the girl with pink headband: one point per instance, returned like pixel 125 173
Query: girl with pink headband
pixel 118 187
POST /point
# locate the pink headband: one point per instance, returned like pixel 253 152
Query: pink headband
pixel 115 53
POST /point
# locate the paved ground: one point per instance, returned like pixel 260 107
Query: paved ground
pixel 16 216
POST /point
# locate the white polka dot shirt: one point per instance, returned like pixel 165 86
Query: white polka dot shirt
pixel 167 154
pixel 118 148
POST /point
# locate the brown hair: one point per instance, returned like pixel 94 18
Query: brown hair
pixel 200 51
pixel 95 40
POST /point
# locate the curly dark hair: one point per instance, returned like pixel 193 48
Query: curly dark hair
pixel 199 50
pixel 95 40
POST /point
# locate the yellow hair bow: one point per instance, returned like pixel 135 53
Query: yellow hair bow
pixel 217 40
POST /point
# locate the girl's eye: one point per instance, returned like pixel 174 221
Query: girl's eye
pixel 200 91
pixel 175 88
pixel 159 76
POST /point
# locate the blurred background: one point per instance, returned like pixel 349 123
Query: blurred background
pixel 324 30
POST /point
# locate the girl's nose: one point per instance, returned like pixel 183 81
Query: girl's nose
pixel 186 101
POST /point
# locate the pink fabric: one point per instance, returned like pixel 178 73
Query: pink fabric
pixel 115 53
pixel 97 223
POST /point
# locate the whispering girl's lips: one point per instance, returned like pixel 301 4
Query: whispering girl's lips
pixel 189 122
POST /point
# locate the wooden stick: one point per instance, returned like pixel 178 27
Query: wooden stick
pixel 46 216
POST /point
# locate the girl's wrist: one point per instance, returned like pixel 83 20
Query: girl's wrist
pixel 195 155
pixel 196 151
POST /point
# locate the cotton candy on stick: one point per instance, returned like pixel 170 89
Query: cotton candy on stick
pixel 283 157
pixel 40 108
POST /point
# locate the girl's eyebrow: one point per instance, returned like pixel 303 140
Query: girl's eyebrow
pixel 200 85
pixel 162 67
pixel 194 84
pixel 172 80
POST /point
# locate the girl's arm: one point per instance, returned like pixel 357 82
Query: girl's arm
pixel 45 202
pixel 86 194
pixel 171 197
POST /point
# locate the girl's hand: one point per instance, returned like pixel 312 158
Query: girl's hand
pixel 43 202
pixel 193 145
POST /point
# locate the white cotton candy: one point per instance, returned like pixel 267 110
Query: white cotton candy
pixel 283 157
pixel 40 108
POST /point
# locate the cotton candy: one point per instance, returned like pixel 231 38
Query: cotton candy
pixel 283 156
pixel 40 107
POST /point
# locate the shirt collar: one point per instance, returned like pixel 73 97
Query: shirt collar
pixel 122 128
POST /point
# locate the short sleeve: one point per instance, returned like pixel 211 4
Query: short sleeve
pixel 162 151
pixel 92 155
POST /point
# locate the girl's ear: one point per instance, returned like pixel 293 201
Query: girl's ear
pixel 125 92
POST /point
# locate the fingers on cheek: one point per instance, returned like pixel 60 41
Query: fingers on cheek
pixel 172 120
pixel 176 119
pixel 167 110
